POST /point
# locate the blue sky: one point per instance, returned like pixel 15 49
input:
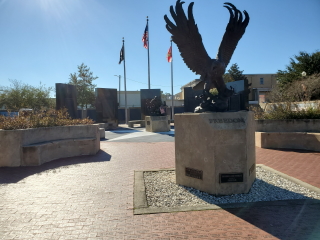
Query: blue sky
pixel 45 40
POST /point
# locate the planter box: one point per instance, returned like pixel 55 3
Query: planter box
pixel 35 146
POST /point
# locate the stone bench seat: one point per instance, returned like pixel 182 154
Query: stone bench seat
pixel 141 122
pixel 289 140
pixel 39 153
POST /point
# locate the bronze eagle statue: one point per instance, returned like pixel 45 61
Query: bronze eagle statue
pixel 186 35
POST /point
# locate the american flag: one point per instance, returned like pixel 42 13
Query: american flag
pixel 145 38
pixel 169 55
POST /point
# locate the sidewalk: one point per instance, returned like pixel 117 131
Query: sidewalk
pixel 91 197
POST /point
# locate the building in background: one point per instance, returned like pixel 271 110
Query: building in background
pixel 133 99
pixel 261 84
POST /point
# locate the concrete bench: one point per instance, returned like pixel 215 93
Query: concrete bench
pixel 289 140
pixel 141 122
pixel 108 125
pixel 35 146
pixel 39 153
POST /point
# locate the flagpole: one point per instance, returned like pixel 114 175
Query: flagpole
pixel 125 84
pixel 148 53
pixel 119 76
pixel 172 97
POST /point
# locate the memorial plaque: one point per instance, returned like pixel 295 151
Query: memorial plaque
pixel 66 97
pixel 238 86
pixel 106 105
pixel 146 95
pixel 231 177
pixel 194 173
pixel 234 103
pixel 239 101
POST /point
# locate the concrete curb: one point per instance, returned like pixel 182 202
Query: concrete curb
pixel 292 179
pixel 140 197
pixel 140 204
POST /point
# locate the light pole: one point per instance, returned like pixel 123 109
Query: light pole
pixel 119 86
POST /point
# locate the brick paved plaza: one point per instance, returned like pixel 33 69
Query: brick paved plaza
pixel 91 197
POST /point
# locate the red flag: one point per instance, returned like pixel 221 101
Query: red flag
pixel 145 38
pixel 169 55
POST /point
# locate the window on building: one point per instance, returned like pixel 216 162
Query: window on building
pixel 261 81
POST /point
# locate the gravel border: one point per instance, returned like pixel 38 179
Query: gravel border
pixel 156 191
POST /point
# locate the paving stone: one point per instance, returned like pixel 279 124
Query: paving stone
pixel 91 197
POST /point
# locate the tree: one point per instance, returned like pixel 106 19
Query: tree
pixel 234 74
pixel 83 82
pixel 303 89
pixel 20 95
pixel 302 64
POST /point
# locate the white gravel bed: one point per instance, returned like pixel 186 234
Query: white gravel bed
pixel 162 191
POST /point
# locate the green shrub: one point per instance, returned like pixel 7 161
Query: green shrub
pixel 287 111
pixel 39 119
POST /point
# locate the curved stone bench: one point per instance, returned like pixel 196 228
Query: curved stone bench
pixel 26 147
pixel 39 153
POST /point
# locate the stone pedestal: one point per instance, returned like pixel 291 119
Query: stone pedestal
pixel 157 123
pixel 215 152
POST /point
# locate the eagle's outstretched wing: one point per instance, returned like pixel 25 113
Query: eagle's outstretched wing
pixel 234 31
pixel 186 35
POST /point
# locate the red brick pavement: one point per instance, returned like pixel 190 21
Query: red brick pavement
pixel 302 165
pixel 91 197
